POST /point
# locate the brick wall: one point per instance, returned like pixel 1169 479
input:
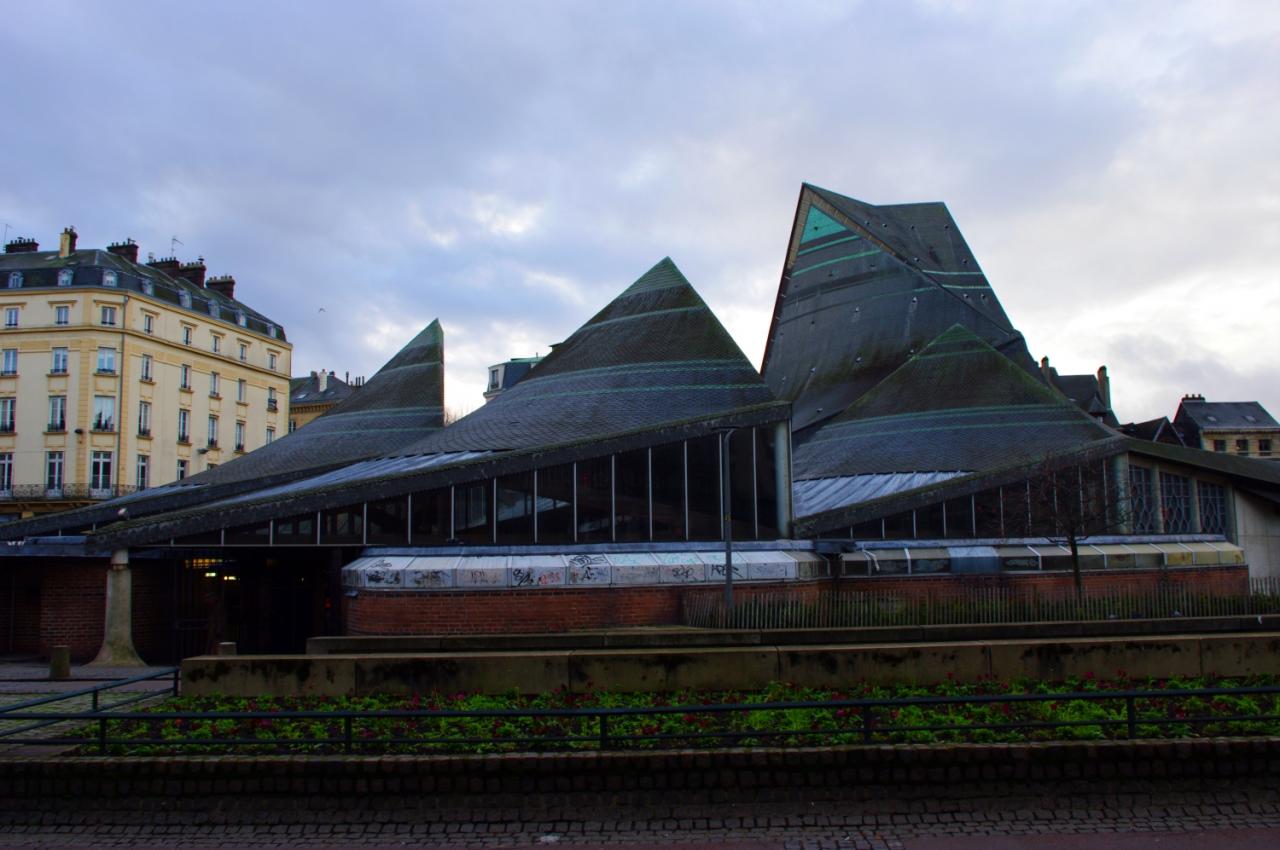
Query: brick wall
pixel 497 611
pixel 72 606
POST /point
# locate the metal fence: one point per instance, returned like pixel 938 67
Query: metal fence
pixel 1128 714
pixel 18 720
pixel 848 608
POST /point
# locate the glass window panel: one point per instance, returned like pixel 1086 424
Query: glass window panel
pixel 767 483
pixel 631 518
pixel 343 525
pixel 1015 507
pixel 1175 498
pixel 668 492
pixel 742 485
pixel 986 514
pixel 299 529
pixel 595 500
pixel 249 535
pixel 515 508
pixel 960 517
pixel 899 526
pixel 388 521
pixel 1213 507
pixel 1142 511
pixel 704 488
pixel 871 530
pixel 430 517
pixel 473 512
pixel 555 504
pixel 929 522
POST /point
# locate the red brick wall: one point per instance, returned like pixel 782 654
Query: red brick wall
pixel 72 606
pixel 509 611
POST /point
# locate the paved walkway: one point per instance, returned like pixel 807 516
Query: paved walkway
pixel 1142 817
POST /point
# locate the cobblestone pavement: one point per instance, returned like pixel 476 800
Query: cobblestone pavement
pixel 1163 815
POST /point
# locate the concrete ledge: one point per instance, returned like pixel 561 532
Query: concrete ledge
pixel 34 786
pixel 729 668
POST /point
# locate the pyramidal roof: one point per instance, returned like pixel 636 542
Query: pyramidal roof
pixel 401 403
pixel 656 355
pixel 864 288
pixel 956 405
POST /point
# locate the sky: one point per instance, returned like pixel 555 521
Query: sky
pixel 509 168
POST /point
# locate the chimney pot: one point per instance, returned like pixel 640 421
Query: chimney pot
pixel 127 249
pixel 322 383
pixel 224 285
pixel 193 272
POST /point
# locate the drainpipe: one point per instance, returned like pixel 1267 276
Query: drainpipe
pixel 124 324
pixel 117 639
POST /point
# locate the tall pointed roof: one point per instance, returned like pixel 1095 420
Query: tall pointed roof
pixel 654 356
pixel 864 287
pixel 957 405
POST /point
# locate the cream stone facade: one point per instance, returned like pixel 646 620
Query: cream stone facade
pixel 106 388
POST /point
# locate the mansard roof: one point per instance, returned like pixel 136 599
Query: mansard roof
pixel 865 287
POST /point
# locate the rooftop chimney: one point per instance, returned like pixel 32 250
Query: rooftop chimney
pixel 127 249
pixel 224 285
pixel 168 265
pixel 22 245
pixel 1104 386
pixel 67 243
pixel 193 272
pixel 322 381
pixel 1193 397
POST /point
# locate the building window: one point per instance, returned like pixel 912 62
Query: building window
pixel 271 360
pixel 213 385
pixel 214 310
pixel 104 413
pixel 145 371
pixel 271 436
pixel 244 353
pixel 241 319
pixel 240 390
pixel 7 415
pixel 9 363
pixel 100 471
pixel 62 315
pixel 239 436
pixel 15 280
pixel 57 413
pixel 213 432
pixel 11 317
pixel 64 277
pixel 184 425
pixel 144 419
pixel 1264 448
pixel 185 381
pixel 148 323
pixel 293 425
pixel 108 316
pixel 1142 501
pixel 144 472
pixel 1175 498
pixel 107 360
pixel 53 471
pixel 184 299
pixel 217 344
pixel 6 472
pixel 271 331
pixel 108 278
pixel 1242 446
pixel 271 398
pixel 148 288
pixel 1219 445
pixel 493 379
pixel 59 361
pixel 186 334
pixel 182 468
pixel 1213 507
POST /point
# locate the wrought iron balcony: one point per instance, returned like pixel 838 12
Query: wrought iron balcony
pixel 67 492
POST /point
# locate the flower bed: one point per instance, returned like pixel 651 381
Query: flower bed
pixel 781 715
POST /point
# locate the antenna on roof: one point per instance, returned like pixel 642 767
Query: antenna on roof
pixel 6 232
pixel 173 243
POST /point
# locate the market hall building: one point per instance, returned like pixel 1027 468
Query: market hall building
pixel 899 431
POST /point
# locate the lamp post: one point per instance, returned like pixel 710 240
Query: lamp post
pixel 726 523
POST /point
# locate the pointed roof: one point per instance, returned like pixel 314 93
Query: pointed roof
pixel 957 405
pixel 656 355
pixel 864 287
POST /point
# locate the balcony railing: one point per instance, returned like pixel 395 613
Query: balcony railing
pixel 79 492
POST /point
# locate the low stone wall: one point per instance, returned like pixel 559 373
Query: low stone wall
pixel 731 667
pixel 178 784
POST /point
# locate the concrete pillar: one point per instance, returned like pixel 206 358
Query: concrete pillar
pixel 117 640
pixel 782 475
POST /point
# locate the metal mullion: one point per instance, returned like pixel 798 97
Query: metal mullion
pixel 452 511
pixel 364 523
pixel 575 501
pixel 685 475
pixel 649 482
pixel 613 497
pixel 535 506
pixel 493 518
pixel 755 489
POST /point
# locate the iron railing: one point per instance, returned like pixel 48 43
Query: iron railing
pixel 21 711
pixel 868 606
pixel 1127 714
pixel 39 492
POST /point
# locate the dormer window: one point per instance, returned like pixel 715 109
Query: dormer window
pixel 15 280
pixel 241 319
pixel 64 277
pixel 184 299
pixel 148 288
pixel 214 310
pixel 109 278
pixel 271 331
pixel 493 378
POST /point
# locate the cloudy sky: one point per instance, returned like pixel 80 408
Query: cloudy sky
pixel 362 168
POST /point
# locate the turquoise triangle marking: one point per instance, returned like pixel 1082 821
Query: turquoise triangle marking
pixel 819 224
